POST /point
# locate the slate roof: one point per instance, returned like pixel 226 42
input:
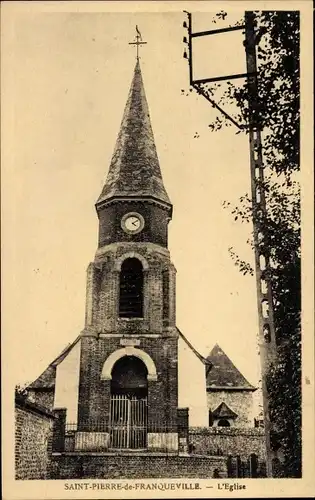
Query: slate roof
pixel 47 379
pixel 134 170
pixel 223 411
pixel 224 375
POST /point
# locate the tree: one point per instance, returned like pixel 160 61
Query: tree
pixel 279 118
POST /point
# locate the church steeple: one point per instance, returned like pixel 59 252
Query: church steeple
pixel 134 185
pixel 124 364
pixel 134 171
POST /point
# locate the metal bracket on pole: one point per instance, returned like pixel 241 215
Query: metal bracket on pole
pixel 197 84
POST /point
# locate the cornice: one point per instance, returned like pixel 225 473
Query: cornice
pixel 131 199
pixel 130 246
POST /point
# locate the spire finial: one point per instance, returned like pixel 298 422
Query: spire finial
pixel 138 41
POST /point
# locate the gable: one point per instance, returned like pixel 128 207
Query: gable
pixel 223 411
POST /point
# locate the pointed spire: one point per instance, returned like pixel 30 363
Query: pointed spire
pixel 134 170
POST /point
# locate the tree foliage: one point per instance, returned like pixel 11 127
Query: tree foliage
pixel 278 110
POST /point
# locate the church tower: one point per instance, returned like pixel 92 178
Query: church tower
pixel 129 347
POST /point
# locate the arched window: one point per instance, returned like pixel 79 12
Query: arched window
pixel 223 423
pixel 131 289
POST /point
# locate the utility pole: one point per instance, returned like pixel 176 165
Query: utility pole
pixel 267 339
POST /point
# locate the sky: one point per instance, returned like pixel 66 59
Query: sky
pixel 67 81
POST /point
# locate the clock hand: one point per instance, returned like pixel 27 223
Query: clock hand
pixel 134 223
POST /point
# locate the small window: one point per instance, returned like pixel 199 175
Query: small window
pixel 223 423
pixel 131 289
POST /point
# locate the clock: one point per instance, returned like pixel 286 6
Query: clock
pixel 132 223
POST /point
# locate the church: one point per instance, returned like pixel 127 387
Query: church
pixel 119 378
pixel 115 388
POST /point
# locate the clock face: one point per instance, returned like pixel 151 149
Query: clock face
pixel 132 223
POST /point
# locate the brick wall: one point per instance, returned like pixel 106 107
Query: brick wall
pixel 94 392
pixel 103 289
pixel 33 439
pixel 155 228
pixel 137 467
pixel 102 318
pixel 241 402
pixel 227 441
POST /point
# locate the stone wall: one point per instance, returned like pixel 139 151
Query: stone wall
pixel 227 441
pixel 241 402
pixel 75 466
pixel 33 437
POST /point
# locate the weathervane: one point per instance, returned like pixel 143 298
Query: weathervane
pixel 138 41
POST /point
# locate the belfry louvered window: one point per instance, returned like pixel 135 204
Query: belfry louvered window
pixel 131 289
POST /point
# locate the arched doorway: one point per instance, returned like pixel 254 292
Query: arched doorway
pixel 128 409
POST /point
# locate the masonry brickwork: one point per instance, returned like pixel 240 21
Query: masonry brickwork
pixel 156 332
pixel 33 440
pixel 241 402
pixel 227 441
pixel 94 392
pixel 154 231
pixel 71 466
pixel 103 290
